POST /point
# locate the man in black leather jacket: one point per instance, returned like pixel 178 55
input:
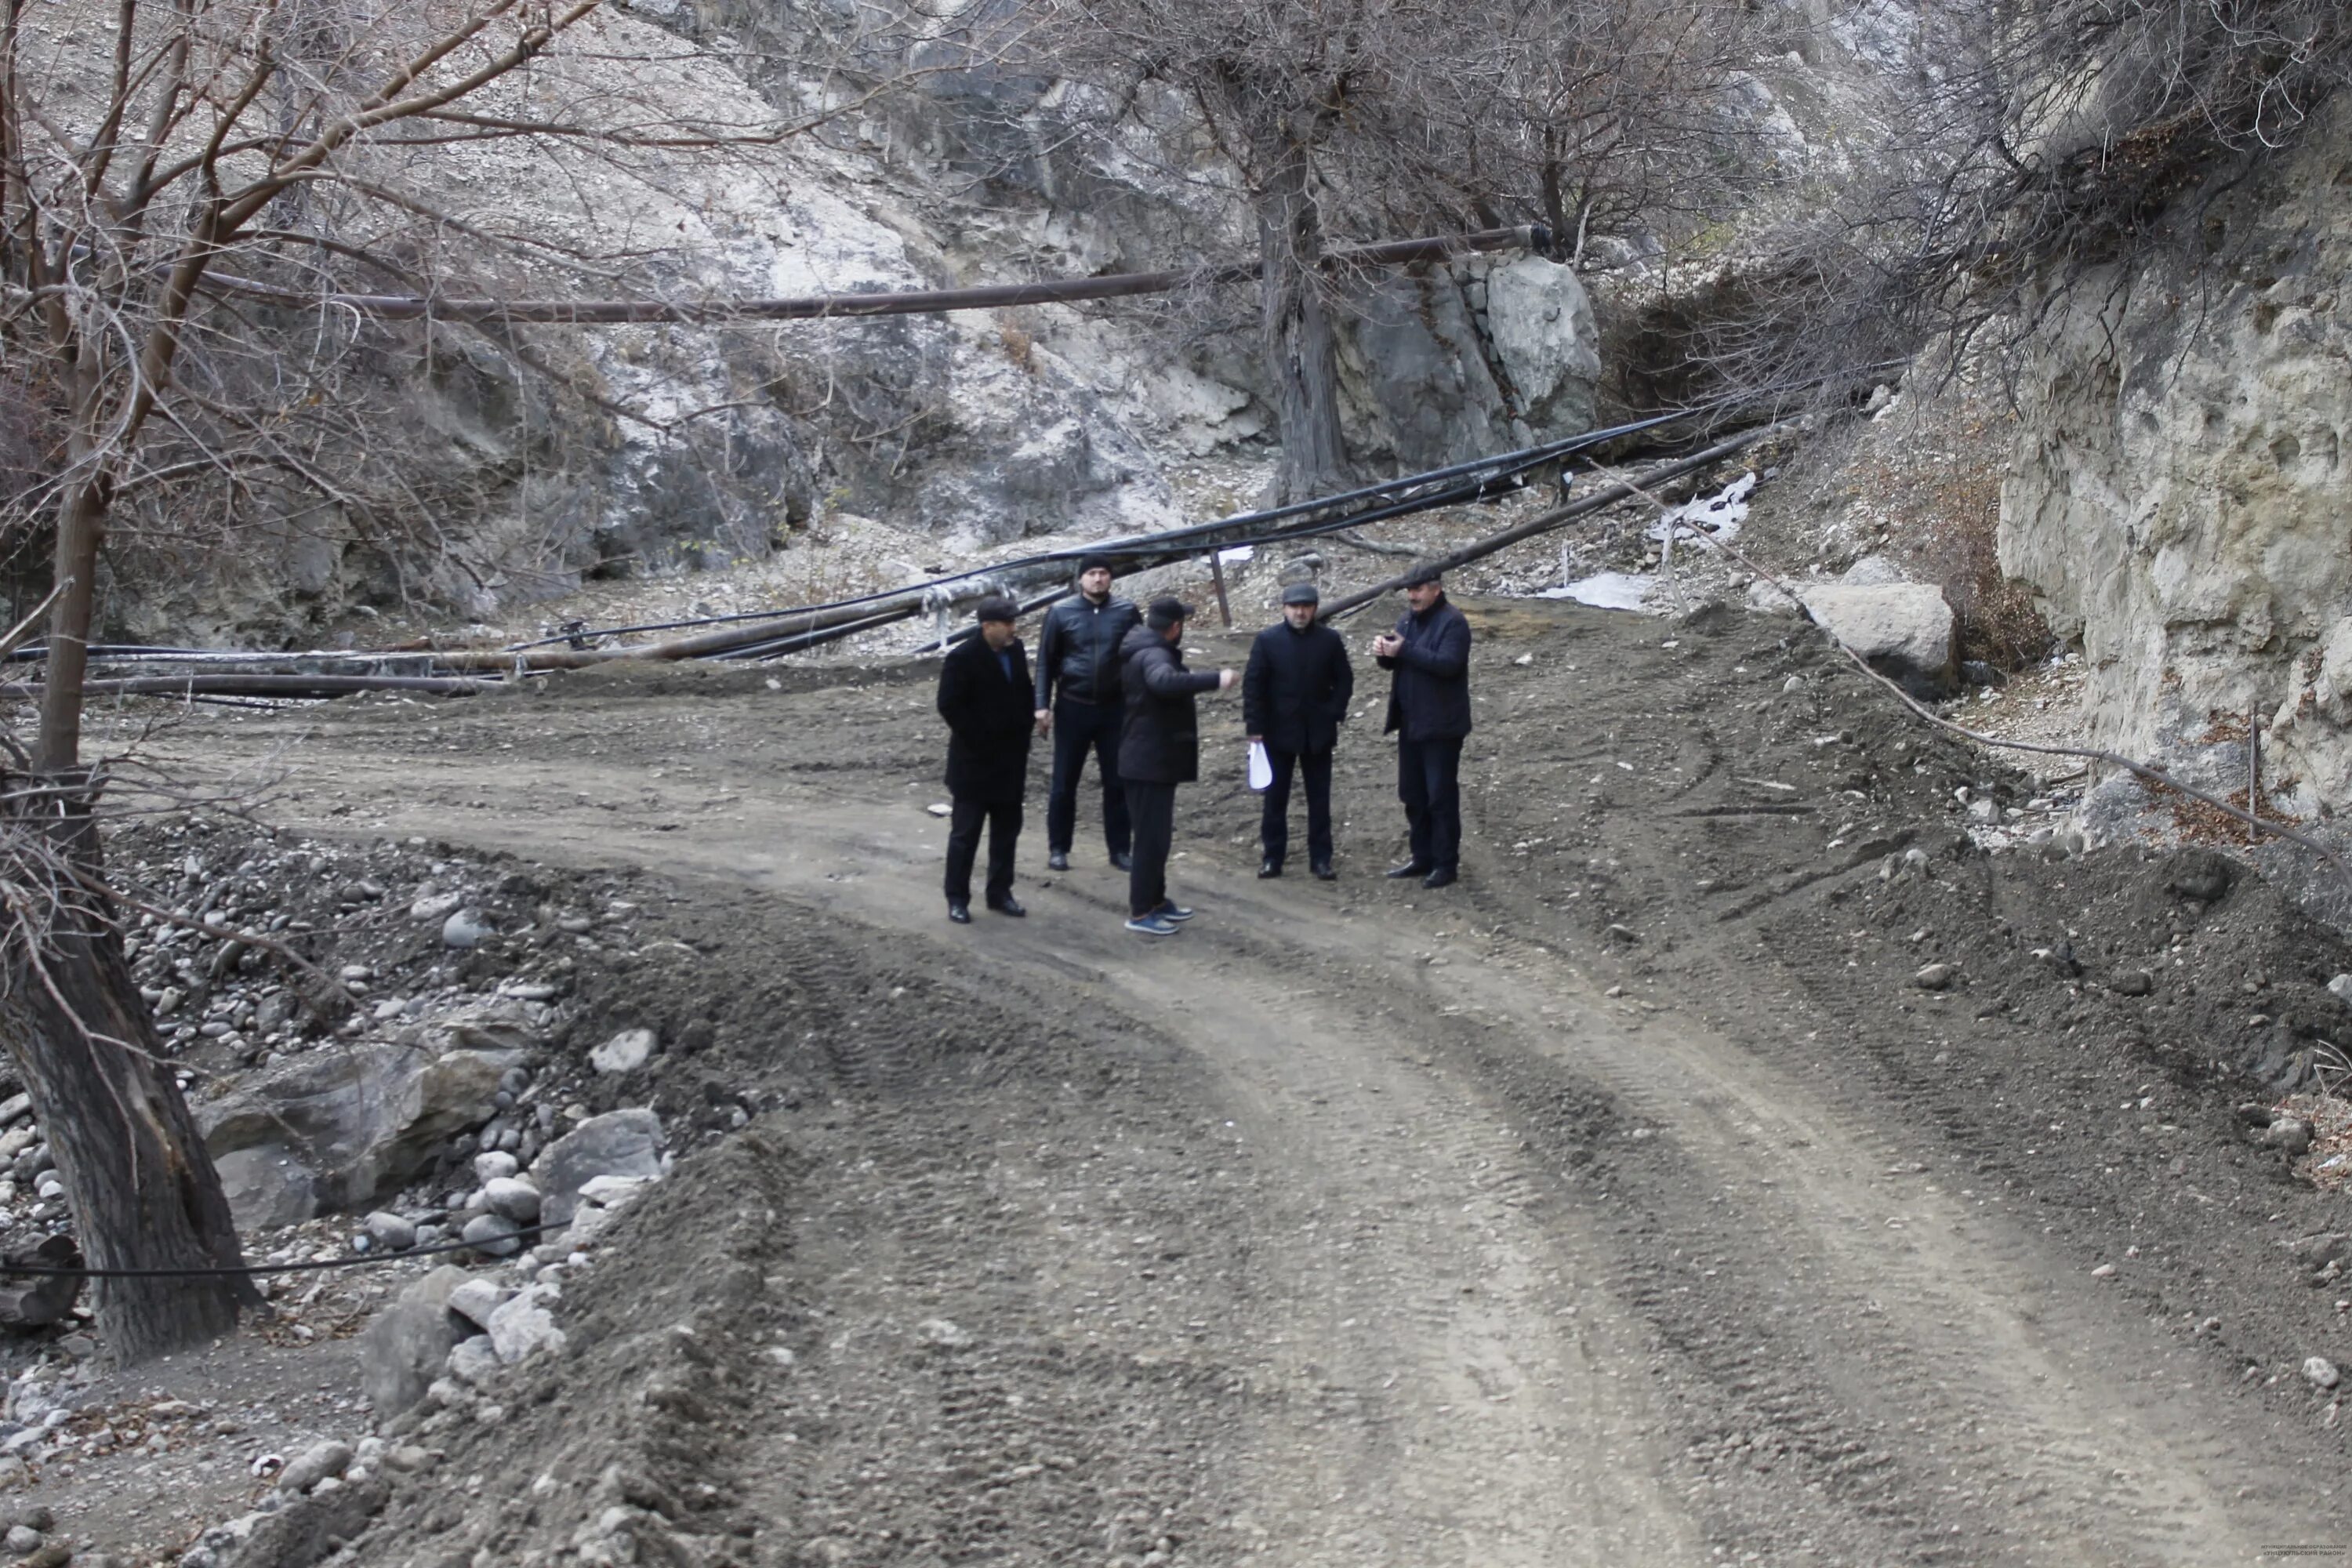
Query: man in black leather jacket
pixel 1160 750
pixel 1077 650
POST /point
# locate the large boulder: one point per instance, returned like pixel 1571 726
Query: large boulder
pixel 363 1119
pixel 617 1143
pixel 1902 630
pixel 1540 322
pixel 403 1351
pixel 266 1187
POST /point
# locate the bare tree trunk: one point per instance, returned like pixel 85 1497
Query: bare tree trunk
pixel 1302 361
pixel 143 1190
pixel 138 1178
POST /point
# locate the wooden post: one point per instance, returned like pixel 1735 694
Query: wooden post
pixel 1217 576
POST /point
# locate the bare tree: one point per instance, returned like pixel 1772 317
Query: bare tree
pixel 175 176
pixel 1343 117
pixel 2040 144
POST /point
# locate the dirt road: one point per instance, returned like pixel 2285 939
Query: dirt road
pixel 1625 1204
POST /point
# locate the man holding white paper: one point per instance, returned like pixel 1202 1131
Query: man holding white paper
pixel 1295 696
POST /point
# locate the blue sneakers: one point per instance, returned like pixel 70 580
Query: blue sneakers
pixel 1153 925
pixel 1172 911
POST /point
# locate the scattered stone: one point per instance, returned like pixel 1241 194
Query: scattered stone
pixel 2290 1134
pixel 475 1300
pixel 403 1349
pixel 2341 987
pixel 266 1187
pixel 2255 1114
pixel 388 1232
pixel 491 1234
pixel 465 929
pixel 940 808
pixel 1937 976
pixel 22 1539
pixel 625 1052
pixel 2320 1372
pixel 1624 933
pixel 2104 1271
pixel 2132 983
pixel 939 1331
pixel 314 1465
pixel 523 1326
pixel 436 906
pixel 474 1362
pixel 515 1200
pixel 494 1165
pixel 617 1143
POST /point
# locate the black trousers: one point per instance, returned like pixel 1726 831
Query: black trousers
pixel 1273 827
pixel 1079 728
pixel 1003 820
pixel 1429 781
pixel 1152 808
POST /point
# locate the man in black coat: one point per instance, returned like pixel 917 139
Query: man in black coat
pixel 1078 653
pixel 1159 749
pixel 1294 698
pixel 984 696
pixel 1429 712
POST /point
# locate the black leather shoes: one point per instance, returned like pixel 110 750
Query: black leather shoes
pixel 1266 868
pixel 1059 860
pixel 1323 872
pixel 1417 868
pixel 1123 861
pixel 959 913
pixel 1007 905
pixel 1440 878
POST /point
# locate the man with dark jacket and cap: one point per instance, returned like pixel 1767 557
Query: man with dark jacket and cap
pixel 1159 749
pixel 1294 698
pixel 984 696
pixel 1077 651
pixel 1429 712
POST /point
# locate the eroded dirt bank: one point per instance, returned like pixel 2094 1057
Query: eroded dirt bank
pixel 1629 1203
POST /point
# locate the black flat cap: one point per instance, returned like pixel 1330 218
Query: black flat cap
pixel 1301 594
pixel 1424 571
pixel 1166 612
pixel 1095 562
pixel 996 607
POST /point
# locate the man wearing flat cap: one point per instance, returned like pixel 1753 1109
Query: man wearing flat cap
pixel 1159 749
pixel 984 695
pixel 1077 659
pixel 1293 699
pixel 1429 713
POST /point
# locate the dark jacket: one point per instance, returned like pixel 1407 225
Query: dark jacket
pixel 1159 739
pixel 1079 649
pixel 1295 692
pixel 1429 696
pixel 989 723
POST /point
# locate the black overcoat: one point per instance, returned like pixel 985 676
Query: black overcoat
pixel 1159 739
pixel 1429 696
pixel 989 723
pixel 1295 692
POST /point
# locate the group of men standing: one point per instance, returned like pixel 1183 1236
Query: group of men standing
pixel 1110 680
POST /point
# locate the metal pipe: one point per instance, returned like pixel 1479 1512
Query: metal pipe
pixel 906 302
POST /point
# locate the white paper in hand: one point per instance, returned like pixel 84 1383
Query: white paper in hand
pixel 1261 771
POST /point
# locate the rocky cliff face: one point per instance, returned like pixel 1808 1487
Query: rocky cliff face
pixel 2177 488
pixel 650 450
